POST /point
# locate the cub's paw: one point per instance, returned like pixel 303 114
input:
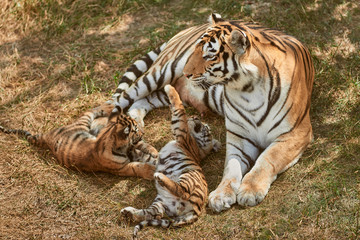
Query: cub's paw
pixel 223 197
pixel 216 145
pixel 138 115
pixel 159 178
pixel 128 213
pixel 103 110
pixel 251 193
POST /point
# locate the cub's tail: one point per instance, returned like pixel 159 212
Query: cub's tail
pixel 177 222
pixel 154 222
pixel 36 140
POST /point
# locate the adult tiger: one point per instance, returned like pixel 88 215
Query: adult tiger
pixel 259 79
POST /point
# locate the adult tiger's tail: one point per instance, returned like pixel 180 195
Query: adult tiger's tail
pixel 136 70
pixel 165 223
pixel 36 140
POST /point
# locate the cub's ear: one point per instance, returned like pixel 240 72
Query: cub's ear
pixel 215 18
pixel 117 111
pixel 237 41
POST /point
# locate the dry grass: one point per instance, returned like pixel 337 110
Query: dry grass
pixel 61 57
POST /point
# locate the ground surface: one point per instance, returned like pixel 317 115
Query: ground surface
pixel 61 57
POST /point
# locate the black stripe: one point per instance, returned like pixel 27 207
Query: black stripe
pixel 126 80
pixel 237 110
pixel 147 83
pixel 278 122
pixel 273 98
pixel 129 99
pixel 161 80
pixel 133 68
pixel 77 135
pixel 175 121
pixel 245 138
pixel 147 60
pixel 157 50
pixel 119 154
pixel 271 40
pixel 248 165
pixel 299 120
pixel 206 99
pixel 235 122
pixel 305 62
pixel 222 102
pixel 286 41
pixel 213 91
pixel 247 157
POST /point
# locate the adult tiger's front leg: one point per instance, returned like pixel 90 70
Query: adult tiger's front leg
pixel 240 157
pixel 279 156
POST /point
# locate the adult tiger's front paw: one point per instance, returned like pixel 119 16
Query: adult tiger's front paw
pixel 252 192
pixel 223 197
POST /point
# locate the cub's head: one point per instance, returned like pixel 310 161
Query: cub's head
pixel 202 135
pixel 216 54
pixel 124 132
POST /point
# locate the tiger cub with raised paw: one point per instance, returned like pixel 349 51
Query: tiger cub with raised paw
pixel 180 182
pixel 99 141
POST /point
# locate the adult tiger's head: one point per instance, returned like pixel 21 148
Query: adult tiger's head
pixel 217 54
pixel 202 135
pixel 121 133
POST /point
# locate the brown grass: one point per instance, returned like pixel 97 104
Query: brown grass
pixel 61 57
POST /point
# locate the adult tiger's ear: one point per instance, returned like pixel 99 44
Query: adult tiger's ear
pixel 215 18
pixel 238 42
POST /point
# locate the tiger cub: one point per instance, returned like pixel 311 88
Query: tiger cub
pixel 180 182
pixel 99 141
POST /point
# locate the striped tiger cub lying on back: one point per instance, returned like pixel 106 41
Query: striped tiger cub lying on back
pixel 99 141
pixel 182 189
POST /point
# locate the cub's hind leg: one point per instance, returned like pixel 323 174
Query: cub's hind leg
pixel 173 187
pixel 155 211
pixel 187 218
